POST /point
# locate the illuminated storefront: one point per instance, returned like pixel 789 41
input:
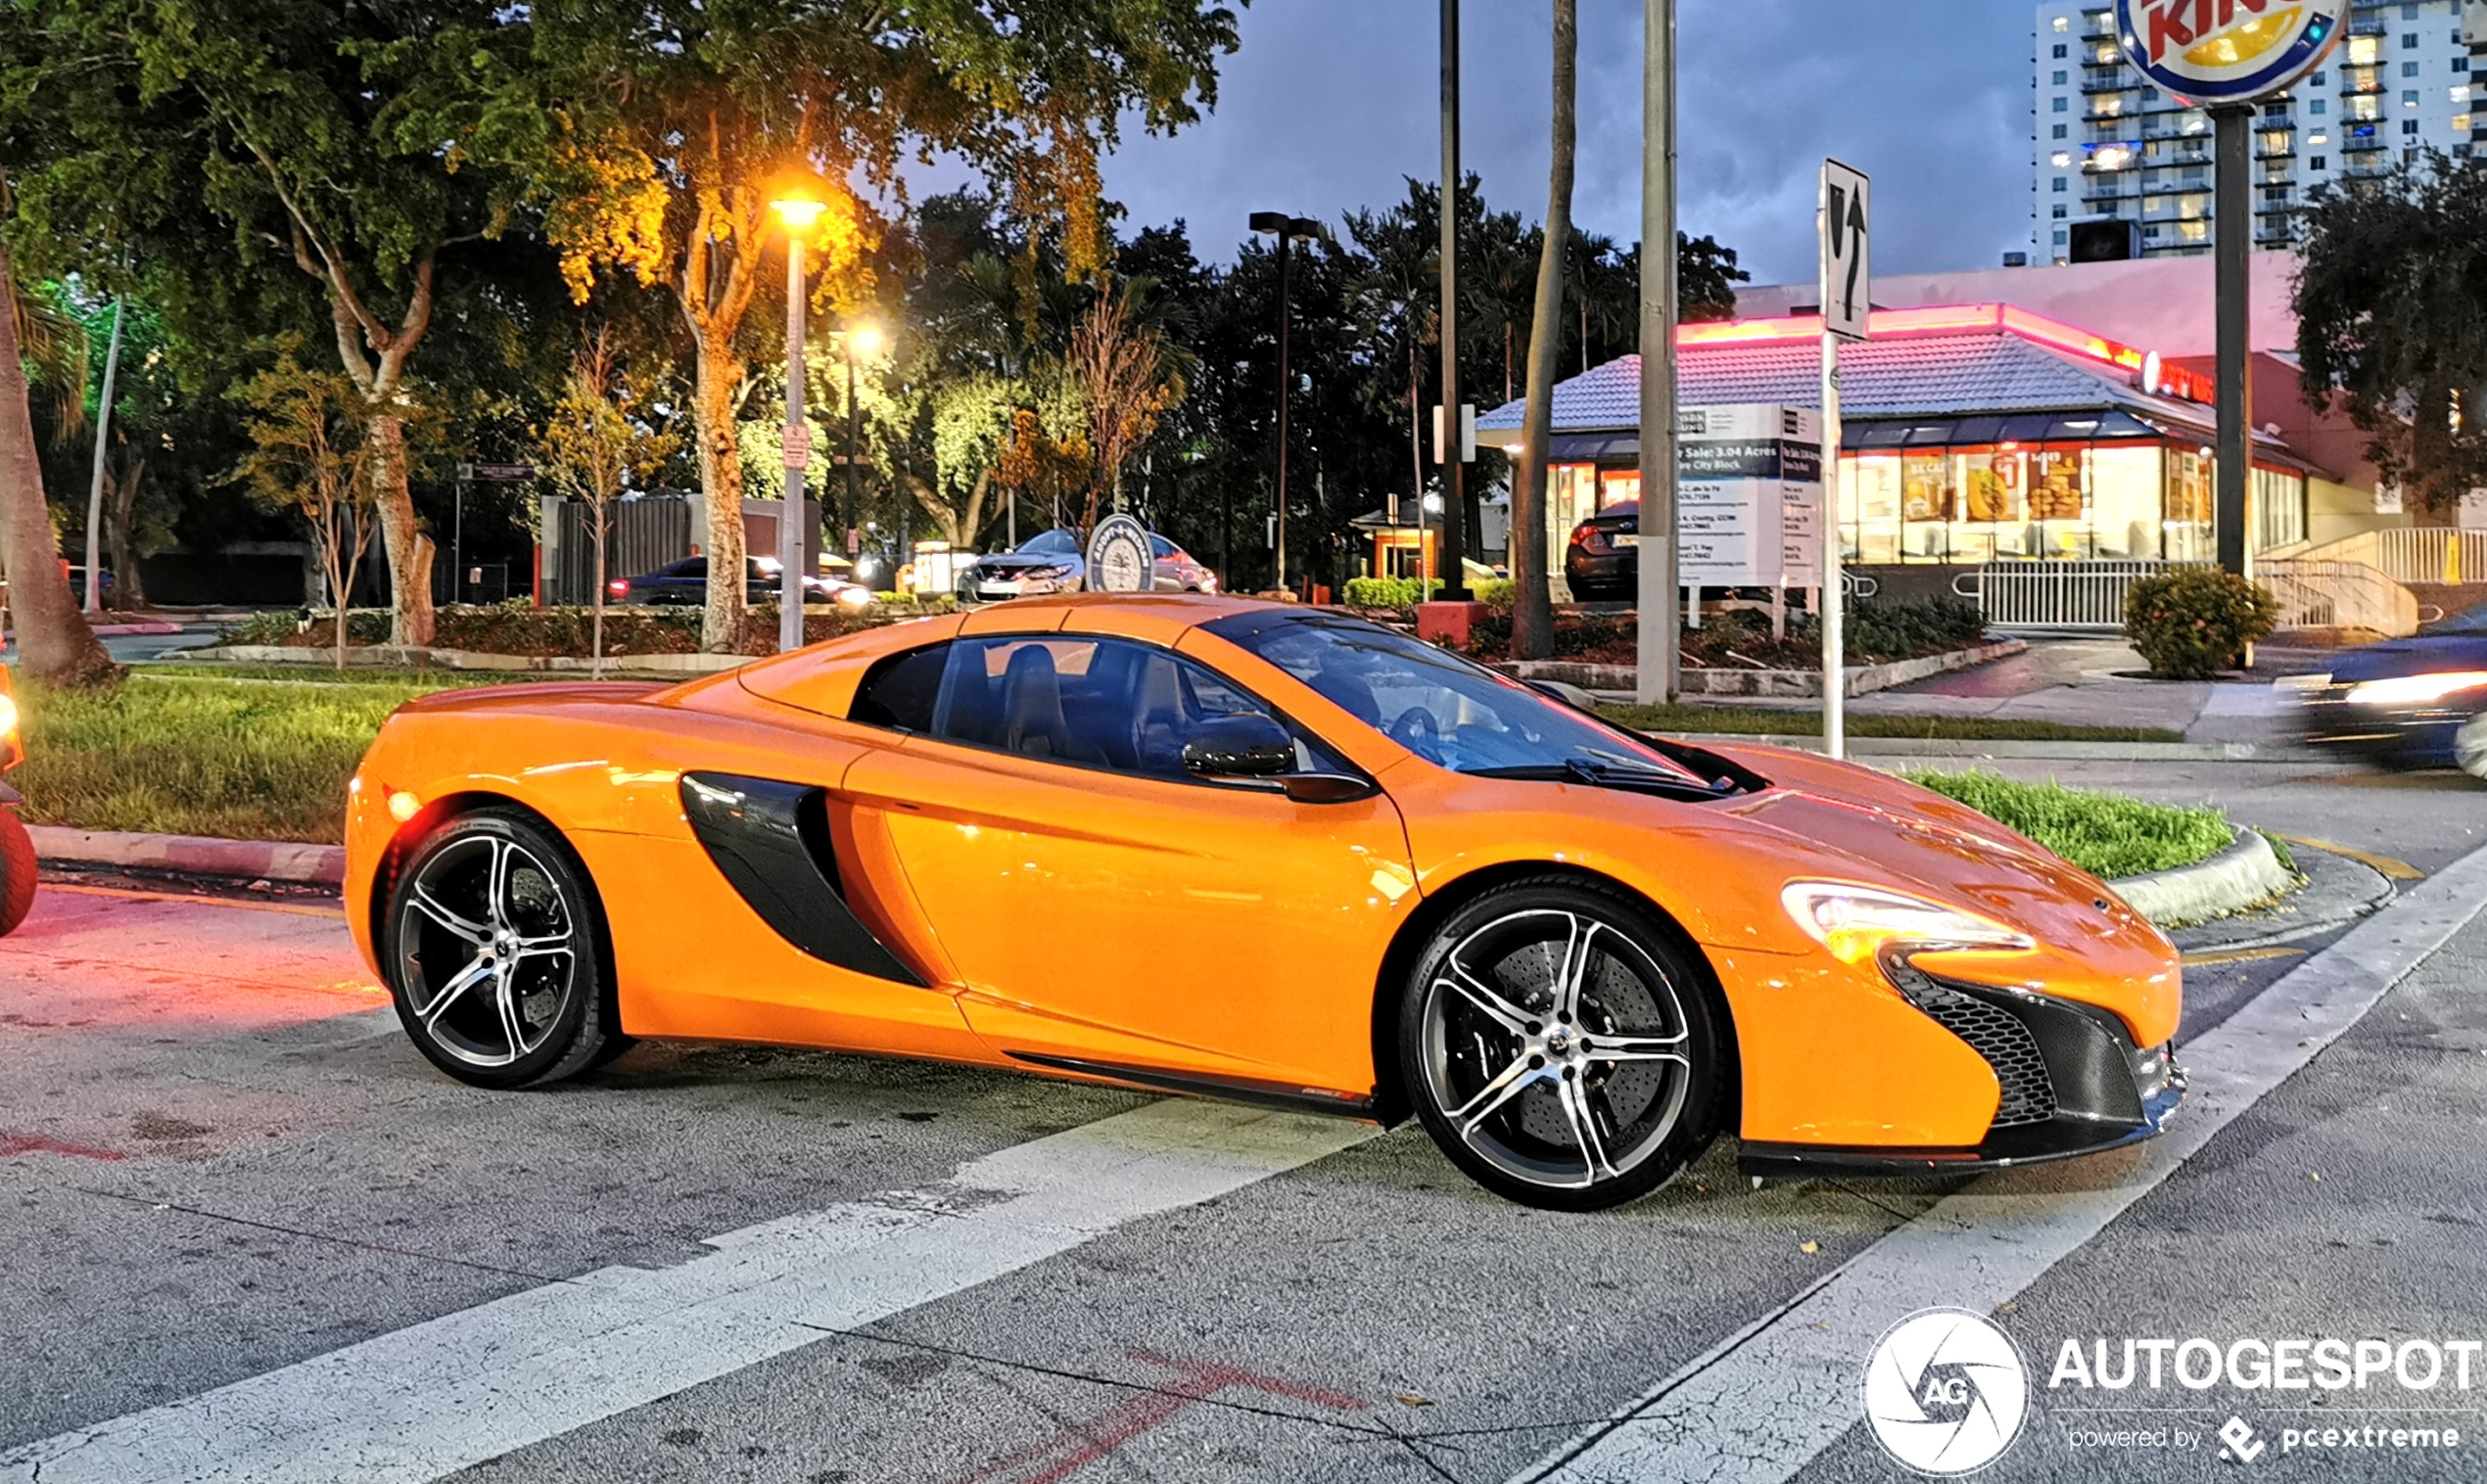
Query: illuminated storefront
pixel 1973 434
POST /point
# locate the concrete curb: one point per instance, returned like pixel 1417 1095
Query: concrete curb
pixel 193 855
pixel 2245 874
pixel 1861 678
pixel 404 656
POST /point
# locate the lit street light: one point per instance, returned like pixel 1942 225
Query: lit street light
pixel 799 204
pixel 1288 230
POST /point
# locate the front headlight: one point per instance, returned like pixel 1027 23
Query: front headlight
pixel 8 715
pixel 1856 922
pixel 2416 690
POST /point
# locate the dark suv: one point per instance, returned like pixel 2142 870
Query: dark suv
pixel 685 582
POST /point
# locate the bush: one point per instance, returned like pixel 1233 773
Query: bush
pixel 2195 621
pixel 1385 592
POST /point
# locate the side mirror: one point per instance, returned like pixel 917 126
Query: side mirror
pixel 1245 745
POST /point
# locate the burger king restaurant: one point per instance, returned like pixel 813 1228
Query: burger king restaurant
pixel 1973 434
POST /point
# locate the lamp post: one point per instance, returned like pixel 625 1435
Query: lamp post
pixel 860 340
pixel 1454 446
pixel 799 204
pixel 1288 230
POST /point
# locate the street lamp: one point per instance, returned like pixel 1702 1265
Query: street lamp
pixel 1288 230
pixel 799 201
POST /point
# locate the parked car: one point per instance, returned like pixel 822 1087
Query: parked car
pixel 1052 561
pixel 1403 884
pixel 16 848
pixel 1603 560
pixel 2420 702
pixel 686 582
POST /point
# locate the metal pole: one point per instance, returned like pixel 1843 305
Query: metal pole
pixel 853 444
pixel 790 520
pixel 2234 231
pixel 1454 471
pixel 1659 633
pixel 1286 389
pixel 1834 616
pixel 95 491
pixel 458 538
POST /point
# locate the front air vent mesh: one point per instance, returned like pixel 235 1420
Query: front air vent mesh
pixel 1998 1036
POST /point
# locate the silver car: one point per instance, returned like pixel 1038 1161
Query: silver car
pixel 1052 561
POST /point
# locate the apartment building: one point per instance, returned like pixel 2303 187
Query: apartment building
pixel 2107 146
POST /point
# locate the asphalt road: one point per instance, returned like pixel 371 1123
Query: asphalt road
pixel 254 1236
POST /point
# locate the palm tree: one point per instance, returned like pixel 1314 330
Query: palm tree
pixel 52 636
pixel 1532 607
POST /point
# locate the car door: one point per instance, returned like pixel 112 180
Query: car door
pixel 1107 911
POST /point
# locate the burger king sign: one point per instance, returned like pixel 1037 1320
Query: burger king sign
pixel 2228 51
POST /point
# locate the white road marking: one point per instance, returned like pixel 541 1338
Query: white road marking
pixel 426 1401
pixel 1760 1405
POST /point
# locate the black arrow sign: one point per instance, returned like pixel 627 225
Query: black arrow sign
pixel 1856 260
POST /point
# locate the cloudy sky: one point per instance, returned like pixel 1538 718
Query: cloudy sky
pixel 1331 102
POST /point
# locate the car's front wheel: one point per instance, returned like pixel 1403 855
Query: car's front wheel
pixel 492 954
pixel 1560 1046
pixel 18 869
pixel 2469 746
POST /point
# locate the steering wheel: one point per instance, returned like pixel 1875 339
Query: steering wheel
pixel 1418 732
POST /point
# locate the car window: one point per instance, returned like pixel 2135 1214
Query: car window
pixel 689 566
pixel 1439 706
pixel 1098 703
pixel 1050 543
pixel 900 691
pixel 1164 548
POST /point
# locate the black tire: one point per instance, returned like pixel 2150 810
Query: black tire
pixel 17 871
pixel 516 991
pixel 1493 1056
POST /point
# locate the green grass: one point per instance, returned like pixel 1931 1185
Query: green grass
pixel 2106 835
pixel 244 756
pixel 1756 720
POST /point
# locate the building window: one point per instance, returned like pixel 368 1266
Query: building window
pixel 2461 124
pixel 2060 50
pixel 2062 236
pixel 2061 105
pixel 2318 106
pixel 2059 131
pixel 2063 160
pixel 2060 76
pixel 2409 41
pixel 2062 24
pixel 2060 187
pixel 2408 125
pixel 2062 210
pixel 2321 79
pixel 2461 64
pixel 2460 92
pixel 2319 162
pixel 2408 69
pixel 2408 97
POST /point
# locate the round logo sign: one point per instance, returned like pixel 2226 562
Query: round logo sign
pixel 1119 557
pixel 1945 1391
pixel 2228 51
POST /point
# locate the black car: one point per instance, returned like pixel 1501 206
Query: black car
pixel 1604 559
pixel 2420 702
pixel 686 582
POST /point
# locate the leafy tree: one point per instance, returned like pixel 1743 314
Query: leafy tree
pixel 603 434
pixel 310 429
pixel 1120 370
pixel 658 129
pixel 54 638
pixel 2392 320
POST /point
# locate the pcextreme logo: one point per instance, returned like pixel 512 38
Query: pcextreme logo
pixel 1945 1392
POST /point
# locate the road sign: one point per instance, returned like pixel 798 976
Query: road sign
pixel 497 474
pixel 795 440
pixel 2218 51
pixel 1847 272
pixel 1119 557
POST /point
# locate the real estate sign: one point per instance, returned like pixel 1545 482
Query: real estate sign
pixel 1749 496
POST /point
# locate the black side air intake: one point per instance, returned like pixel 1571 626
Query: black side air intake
pixel 771 840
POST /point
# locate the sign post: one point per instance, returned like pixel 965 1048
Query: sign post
pixel 1845 216
pixel 2223 58
pixel 1657 632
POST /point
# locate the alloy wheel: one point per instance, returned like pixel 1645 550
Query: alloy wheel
pixel 1555 1048
pixel 486 951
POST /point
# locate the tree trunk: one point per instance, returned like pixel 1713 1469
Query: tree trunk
pixel 1416 457
pixel 54 640
pixel 1533 604
pixel 129 591
pixel 403 545
pixel 596 641
pixel 721 482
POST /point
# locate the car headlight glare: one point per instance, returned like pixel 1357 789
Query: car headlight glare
pixel 2416 690
pixel 1858 922
pixel 8 715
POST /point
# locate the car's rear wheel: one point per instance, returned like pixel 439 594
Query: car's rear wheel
pixel 18 870
pixel 492 950
pixel 1561 1046
pixel 2469 746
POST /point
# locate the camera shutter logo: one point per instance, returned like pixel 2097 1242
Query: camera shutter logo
pixel 1945 1392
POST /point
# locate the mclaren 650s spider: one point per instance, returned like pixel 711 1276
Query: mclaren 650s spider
pixel 1201 844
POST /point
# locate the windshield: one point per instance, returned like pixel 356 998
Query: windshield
pixel 1050 543
pixel 1437 705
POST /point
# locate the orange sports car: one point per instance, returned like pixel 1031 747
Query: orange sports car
pixel 1402 884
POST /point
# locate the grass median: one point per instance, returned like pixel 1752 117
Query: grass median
pixel 2107 835
pixel 246 757
pixel 1769 721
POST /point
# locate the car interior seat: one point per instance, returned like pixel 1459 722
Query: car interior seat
pixel 1032 719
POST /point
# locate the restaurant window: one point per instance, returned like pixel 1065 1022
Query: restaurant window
pixel 2186 532
pixel 2279 508
pixel 1571 497
pixel 1615 485
pixel 1869 506
pixel 2125 493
